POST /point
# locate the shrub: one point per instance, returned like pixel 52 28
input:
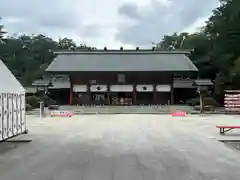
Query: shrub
pixel 193 102
pixel 48 101
pixel 210 101
pixel 197 108
pixel 209 108
pixel 28 107
pixel 206 101
pixel 33 101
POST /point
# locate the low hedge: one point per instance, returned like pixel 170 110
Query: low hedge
pixel 32 101
pixel 206 101
pixel 28 107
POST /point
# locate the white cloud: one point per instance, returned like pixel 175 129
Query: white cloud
pixel 102 23
pixel 153 21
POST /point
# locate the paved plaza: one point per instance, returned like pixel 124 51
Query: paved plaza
pixel 123 147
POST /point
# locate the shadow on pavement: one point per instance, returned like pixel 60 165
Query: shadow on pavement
pixel 9 145
pixel 234 144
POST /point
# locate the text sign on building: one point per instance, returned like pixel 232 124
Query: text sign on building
pixel 144 88
pixel 188 83
pixel 163 88
pixel 121 88
pixel 98 88
pixel 92 81
pixel 79 88
pixel 121 78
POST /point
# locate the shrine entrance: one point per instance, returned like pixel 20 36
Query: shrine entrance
pixel 121 94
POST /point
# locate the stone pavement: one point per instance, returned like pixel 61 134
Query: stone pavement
pixel 123 147
pixel 121 109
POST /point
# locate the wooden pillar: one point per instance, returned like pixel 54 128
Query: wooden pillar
pixel 71 93
pixel 71 98
pixel 108 94
pixel 172 90
pixel 172 95
pixel 89 94
pixel 155 94
pixel 134 94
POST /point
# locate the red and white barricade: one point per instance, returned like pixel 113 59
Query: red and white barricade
pixel 61 114
pixel 179 113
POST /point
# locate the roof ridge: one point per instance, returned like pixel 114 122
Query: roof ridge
pixel 121 62
pixel 130 51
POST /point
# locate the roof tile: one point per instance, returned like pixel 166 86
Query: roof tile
pixel 121 62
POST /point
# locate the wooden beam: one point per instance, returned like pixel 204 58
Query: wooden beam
pixel 155 94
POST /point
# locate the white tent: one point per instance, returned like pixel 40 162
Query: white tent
pixel 12 105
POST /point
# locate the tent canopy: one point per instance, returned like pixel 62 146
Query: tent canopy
pixel 9 84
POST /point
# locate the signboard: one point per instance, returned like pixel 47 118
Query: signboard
pixel 232 102
pixel 93 81
pixel 61 113
pixel 179 113
pixel 163 88
pixel 41 88
pixel 79 88
pixel 121 88
pixel 98 88
pixel 184 83
pixel 144 88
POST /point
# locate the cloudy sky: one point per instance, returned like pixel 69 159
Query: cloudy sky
pixel 110 23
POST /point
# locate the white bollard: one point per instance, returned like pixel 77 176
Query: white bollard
pixel 41 104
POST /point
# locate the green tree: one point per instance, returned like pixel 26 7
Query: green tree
pixel 28 56
pixel 67 44
pixel 223 28
pixel 2 33
pixel 216 50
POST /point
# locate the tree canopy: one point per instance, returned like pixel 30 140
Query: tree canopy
pixel 28 56
pixel 216 51
pixel 1 33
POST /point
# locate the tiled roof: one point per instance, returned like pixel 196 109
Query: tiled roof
pixel 58 83
pixel 121 61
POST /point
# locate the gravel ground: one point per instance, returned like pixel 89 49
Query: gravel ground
pixel 123 147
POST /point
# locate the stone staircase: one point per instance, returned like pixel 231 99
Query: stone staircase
pixel 126 109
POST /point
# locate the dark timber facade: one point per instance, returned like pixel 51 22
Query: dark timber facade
pixel 129 77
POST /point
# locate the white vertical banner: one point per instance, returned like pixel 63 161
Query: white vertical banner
pixel 1 116
pixel 15 125
pixel 19 129
pixel 10 114
pixel 5 116
pixel 23 113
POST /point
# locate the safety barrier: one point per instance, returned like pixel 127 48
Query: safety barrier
pixel 179 113
pixel 61 114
